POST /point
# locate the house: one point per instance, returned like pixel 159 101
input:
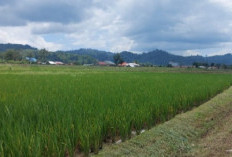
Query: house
pixel 133 65
pixel 102 63
pixel 55 63
pixel 32 60
pixel 202 67
pixel 212 68
pixel 106 63
pixel 52 62
pixel 124 64
pixel 59 63
pixel 174 64
pixel 109 63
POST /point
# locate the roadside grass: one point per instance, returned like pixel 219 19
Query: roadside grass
pixel 180 135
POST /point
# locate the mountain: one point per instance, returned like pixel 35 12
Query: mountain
pixel 4 47
pixel 159 57
pixel 99 55
pixel 156 57
pixel 225 59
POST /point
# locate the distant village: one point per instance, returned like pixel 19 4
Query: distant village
pixel 100 63
pixel 88 57
pixel 123 64
pixel 133 65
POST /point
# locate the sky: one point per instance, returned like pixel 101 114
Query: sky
pixel 182 27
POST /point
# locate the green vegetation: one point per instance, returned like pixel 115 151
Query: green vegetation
pixel 118 59
pixel 52 111
pixel 212 65
pixel 18 56
pixel 203 131
pixel 91 56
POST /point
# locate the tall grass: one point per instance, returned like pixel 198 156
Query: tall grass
pixel 54 115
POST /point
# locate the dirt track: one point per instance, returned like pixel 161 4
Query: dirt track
pixel 217 142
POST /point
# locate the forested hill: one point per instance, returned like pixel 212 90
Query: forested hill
pixel 5 47
pixel 159 57
pixel 97 54
pixel 156 57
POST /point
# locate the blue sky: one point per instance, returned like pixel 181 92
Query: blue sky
pixel 183 27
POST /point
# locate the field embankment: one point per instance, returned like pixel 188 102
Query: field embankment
pixel 204 131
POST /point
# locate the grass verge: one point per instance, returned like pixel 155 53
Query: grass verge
pixel 181 136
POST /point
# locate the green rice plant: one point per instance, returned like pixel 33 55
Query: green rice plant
pixel 57 111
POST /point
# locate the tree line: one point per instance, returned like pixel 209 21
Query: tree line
pixel 43 56
pixel 215 65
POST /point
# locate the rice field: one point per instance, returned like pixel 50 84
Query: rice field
pixel 54 111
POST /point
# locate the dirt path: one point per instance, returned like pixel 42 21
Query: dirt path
pixel 218 141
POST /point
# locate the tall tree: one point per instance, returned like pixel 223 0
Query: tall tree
pixel 43 54
pixel 12 55
pixel 118 59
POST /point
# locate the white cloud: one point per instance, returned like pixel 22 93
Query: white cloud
pixel 102 31
pixel 179 26
pixel 191 53
pixel 224 3
pixel 23 35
